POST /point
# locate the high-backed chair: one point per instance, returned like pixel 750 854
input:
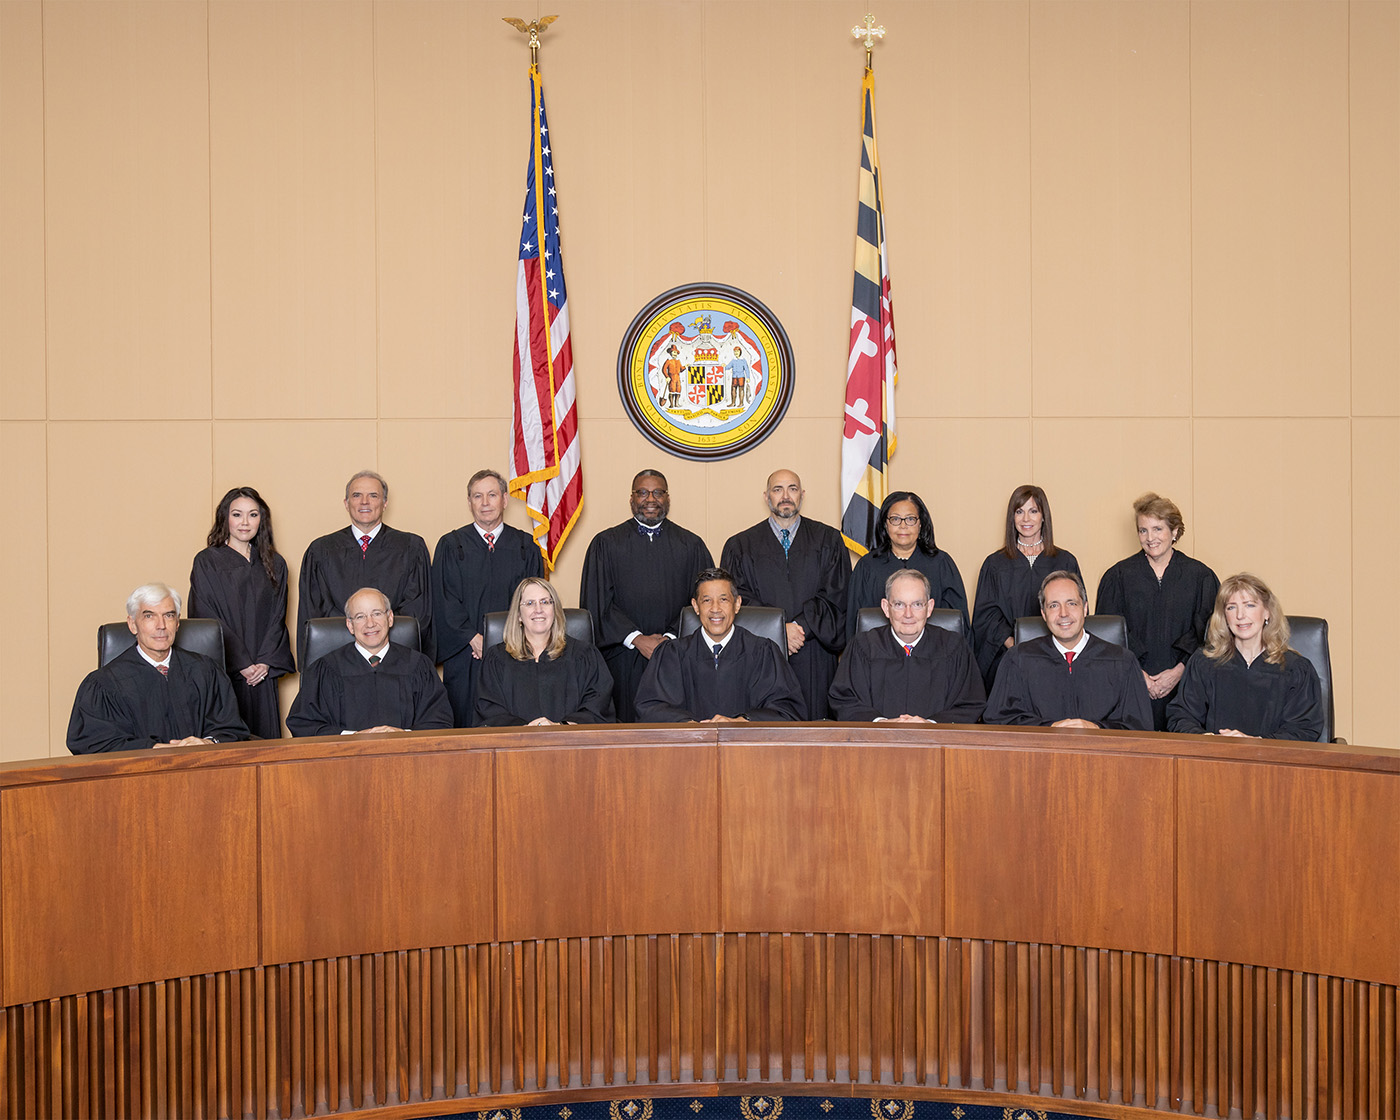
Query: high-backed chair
pixel 578 627
pixel 766 622
pixel 1309 637
pixel 321 636
pixel 195 635
pixel 945 618
pixel 1109 627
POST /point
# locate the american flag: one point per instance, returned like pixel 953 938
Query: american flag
pixel 868 439
pixel 544 448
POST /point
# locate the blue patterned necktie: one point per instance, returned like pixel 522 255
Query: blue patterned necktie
pixel 717 649
pixel 787 541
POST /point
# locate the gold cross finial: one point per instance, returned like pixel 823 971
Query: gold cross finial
pixel 533 29
pixel 870 32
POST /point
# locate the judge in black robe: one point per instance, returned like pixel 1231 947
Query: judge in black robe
pixel 470 580
pixel 252 609
pixel 128 705
pixel 1007 588
pixel 574 687
pixel 751 681
pixel 808 581
pixel 637 578
pixel 899 546
pixel 879 680
pixel 1272 701
pixel 342 692
pixel 1035 686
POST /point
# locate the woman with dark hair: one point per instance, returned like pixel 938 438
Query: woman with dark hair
pixel 241 580
pixel 1009 583
pixel 1166 598
pixel 537 676
pixel 1245 680
pixel 904 539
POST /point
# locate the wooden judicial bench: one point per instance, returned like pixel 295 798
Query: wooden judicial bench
pixel 447 922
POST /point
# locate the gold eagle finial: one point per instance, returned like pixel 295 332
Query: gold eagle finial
pixel 533 29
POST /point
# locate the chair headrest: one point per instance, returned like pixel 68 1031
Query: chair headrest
pixel 578 627
pixel 945 618
pixel 321 636
pixel 195 635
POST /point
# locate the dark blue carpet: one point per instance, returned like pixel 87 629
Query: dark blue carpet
pixel 765 1107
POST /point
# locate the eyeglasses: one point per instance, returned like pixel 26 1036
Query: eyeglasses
pixel 911 520
pixel 641 494
pixel 361 619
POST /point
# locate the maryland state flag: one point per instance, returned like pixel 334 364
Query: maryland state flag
pixel 868 439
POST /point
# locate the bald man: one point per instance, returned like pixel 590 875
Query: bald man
pixel 802 566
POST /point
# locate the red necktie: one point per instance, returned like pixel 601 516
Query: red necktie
pixel 364 544
pixel 908 651
pixel 1069 657
pixel 490 542
pixel 164 670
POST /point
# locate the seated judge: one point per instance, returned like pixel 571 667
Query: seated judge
pixel 1245 681
pixel 369 685
pixel 154 695
pixel 1069 678
pixel 367 553
pixel 721 673
pixel 908 671
pixel 537 676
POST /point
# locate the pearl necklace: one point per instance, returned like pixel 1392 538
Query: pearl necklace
pixel 1034 544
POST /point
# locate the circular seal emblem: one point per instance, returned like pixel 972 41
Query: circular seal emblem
pixel 705 371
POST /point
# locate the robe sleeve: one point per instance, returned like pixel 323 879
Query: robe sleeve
pixel 310 604
pixel 990 626
pixel 777 695
pixel 953 594
pixel 1113 599
pixel 1207 586
pixel 320 704
pixel 1010 701
pixel 455 622
pixel 598 594
pixel 1189 707
pixel 101 723
pixel 431 709
pixel 1133 709
pixel 275 647
pixel 661 694
pixel 823 616
pixel 416 596
pixel 493 697
pixel 965 690
pixel 595 703
pixel 856 597
pixel 852 690
pixel 209 599
pixel 1301 715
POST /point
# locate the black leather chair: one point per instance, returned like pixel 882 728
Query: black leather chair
pixel 578 627
pixel 195 635
pixel 945 618
pixel 766 622
pixel 1309 637
pixel 1109 627
pixel 321 636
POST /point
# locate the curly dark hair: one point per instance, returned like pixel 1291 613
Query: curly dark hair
pixel 262 541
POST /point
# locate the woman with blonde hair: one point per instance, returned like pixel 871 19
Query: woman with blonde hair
pixel 537 676
pixel 1165 597
pixel 1245 680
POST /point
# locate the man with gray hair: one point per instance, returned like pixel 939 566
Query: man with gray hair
pixel 154 695
pixel 367 553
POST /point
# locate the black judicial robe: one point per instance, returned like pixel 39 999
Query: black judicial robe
pixel 343 692
pixel 938 681
pixel 872 570
pixel 127 705
pixel 334 568
pixel 1008 588
pixel 1035 687
pixel 575 687
pixel 253 612
pixel 809 583
pixel 753 680
pixel 630 583
pixel 1166 621
pixel 469 581
pixel 1272 701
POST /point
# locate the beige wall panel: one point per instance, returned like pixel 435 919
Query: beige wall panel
pixel 292 201
pixel 1375 208
pixel 24 667
pixel 126 107
pixel 1375 465
pixel 1270 208
pixel 1093 470
pixel 111 532
pixel 22 211
pixel 953 96
pixel 1111 209
pixel 1308 564
pixel 448 210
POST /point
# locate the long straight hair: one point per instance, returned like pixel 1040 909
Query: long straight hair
pixel 261 541
pixel 1019 497
pixel 517 644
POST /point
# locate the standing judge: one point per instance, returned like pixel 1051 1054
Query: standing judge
pixel 908 671
pixel 1009 583
pixel 369 685
pixel 241 579
pixel 904 539
pixel 802 566
pixel 637 578
pixel 1166 598
pixel 154 695
pixel 475 569
pixel 367 553
pixel 1069 678
pixel 1245 681
pixel 538 676
pixel 721 673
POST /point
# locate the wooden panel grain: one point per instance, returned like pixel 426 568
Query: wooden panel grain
pixel 1290 867
pixel 112 882
pixel 831 836
pixel 606 841
pixel 372 854
pixel 1061 848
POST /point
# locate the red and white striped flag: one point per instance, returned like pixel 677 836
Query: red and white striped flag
pixel 544 443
